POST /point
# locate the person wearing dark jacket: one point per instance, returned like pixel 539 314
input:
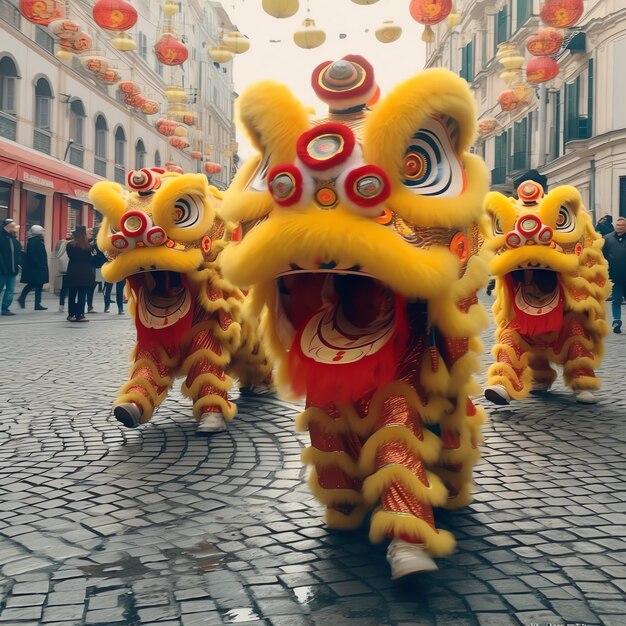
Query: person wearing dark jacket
pixel 615 253
pixel 605 225
pixel 35 268
pixel 10 259
pixel 81 274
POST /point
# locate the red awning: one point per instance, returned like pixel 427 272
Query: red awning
pixel 35 168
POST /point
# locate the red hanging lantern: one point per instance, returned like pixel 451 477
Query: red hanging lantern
pixel 507 100
pixel 171 166
pixel 429 12
pixel 541 69
pixel 212 168
pixel 487 125
pixel 561 13
pixel 114 14
pixel 41 12
pixel 108 77
pixel 95 64
pixel 76 44
pixel 129 87
pixel 170 51
pixel 150 107
pixel 544 42
pixel 195 154
pixel 165 127
pixel 189 118
pixel 135 100
pixel 178 142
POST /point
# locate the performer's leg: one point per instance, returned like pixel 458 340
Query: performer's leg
pixel 206 383
pixel 543 375
pixel 150 379
pixel 509 377
pixel 578 367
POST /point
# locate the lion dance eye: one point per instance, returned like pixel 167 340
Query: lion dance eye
pixel 496 226
pixel 285 184
pixel 143 180
pixel 187 211
pixel 565 221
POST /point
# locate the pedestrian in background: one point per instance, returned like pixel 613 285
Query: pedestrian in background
pixel 60 254
pixel 119 296
pixel 81 274
pixel 10 259
pixel 98 260
pixel 615 253
pixel 605 225
pixel 35 268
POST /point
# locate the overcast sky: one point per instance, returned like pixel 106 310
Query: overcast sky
pixel 274 55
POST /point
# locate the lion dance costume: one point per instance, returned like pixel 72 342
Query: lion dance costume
pixel 551 285
pixel 359 231
pixel 163 235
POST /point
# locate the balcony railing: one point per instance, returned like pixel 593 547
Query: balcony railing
pixel 8 126
pixel 498 175
pixel 119 175
pixel 42 140
pixel 100 166
pixel 77 156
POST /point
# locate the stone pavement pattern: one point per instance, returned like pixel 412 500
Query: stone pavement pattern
pixel 100 525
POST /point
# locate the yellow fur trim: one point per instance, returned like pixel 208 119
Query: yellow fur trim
pixel 321 458
pixel 434 381
pixel 206 379
pixel 151 392
pixel 220 360
pixel 228 410
pixel 148 363
pixel 388 524
pixel 428 450
pixel 503 374
pixel 581 382
pixel 434 494
pixel 109 199
pixel 346 239
pixel 333 496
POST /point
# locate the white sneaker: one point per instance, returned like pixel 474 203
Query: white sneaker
pixel 585 396
pixel 541 386
pixel 497 394
pixel 128 413
pixel 408 558
pixel 61 309
pixel 211 423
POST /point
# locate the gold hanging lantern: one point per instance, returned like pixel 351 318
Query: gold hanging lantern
pixel 454 19
pixel 236 42
pixel 309 36
pixel 280 8
pixel 170 8
pixel 364 2
pixel 221 54
pixel 124 42
pixel 388 32
pixel 174 93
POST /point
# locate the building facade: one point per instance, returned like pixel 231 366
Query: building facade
pixel 574 128
pixel 61 131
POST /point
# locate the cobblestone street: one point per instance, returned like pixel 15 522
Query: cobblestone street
pixel 155 526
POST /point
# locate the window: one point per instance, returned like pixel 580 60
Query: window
pixel 501 30
pixel 42 137
pixel 498 174
pixel 157 159
pixel 43 104
pixel 100 146
pixel 519 157
pixel 8 104
pixel 579 106
pixel 35 208
pixel 467 62
pixel 77 122
pixel 74 214
pixel 44 39
pixel 120 155
pixel 140 154
pixel 5 199
pixel 524 11
pixel 556 146
pixel 142 47
pixel 10 13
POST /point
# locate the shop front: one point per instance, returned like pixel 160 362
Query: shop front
pixel 38 189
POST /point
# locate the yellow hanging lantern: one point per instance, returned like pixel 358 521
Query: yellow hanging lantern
pixel 180 131
pixel 170 8
pixel 364 2
pixel 454 19
pixel 124 42
pixel 236 42
pixel 508 76
pixel 221 54
pixel 309 36
pixel 64 55
pixel 174 93
pixel 388 32
pixel 280 8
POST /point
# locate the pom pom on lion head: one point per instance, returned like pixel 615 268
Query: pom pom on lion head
pixel 346 218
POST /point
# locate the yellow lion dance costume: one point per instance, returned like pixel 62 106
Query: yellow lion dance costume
pixel 163 235
pixel 551 287
pixel 359 231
